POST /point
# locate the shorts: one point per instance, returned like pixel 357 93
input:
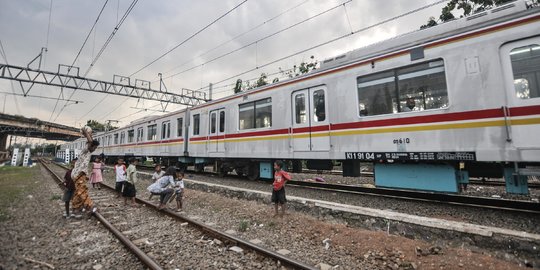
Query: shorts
pixel 278 196
pixel 118 186
pixel 129 190
pixel 68 194
pixel 179 195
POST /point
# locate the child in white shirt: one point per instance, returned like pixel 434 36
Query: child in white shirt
pixel 179 190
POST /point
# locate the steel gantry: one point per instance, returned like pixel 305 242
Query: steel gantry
pixel 121 85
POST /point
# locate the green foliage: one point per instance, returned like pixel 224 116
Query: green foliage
pixel 97 126
pixel 14 183
pixel 55 197
pixel 303 68
pixel 243 226
pixel 468 7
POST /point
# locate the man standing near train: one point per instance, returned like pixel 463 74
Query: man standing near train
pixel 79 174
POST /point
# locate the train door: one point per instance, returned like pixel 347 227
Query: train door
pixel 216 131
pixel 310 130
pixel 521 65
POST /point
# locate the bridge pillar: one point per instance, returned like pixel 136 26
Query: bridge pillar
pixel 3 141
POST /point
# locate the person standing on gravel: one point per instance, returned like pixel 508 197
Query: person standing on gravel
pixel 80 173
pixel 69 188
pixel 278 192
pixel 120 171
pixel 129 191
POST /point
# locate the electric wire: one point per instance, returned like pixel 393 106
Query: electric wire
pixel 4 55
pixel 189 38
pixel 259 40
pixel 237 36
pixel 332 40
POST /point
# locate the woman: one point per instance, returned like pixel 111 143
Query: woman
pixel 164 186
pixel 96 177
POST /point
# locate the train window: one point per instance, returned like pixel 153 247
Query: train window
pixel 166 130
pixel 419 87
pixel 131 134
pixel 116 138
pixel 196 124
pixel 263 113
pixel 376 93
pixel 179 126
pixel 300 108
pixel 152 132
pixel 109 140
pixel 221 121
pixel 122 137
pixel 257 114
pixel 140 134
pixel 319 111
pixel 213 122
pixel 526 69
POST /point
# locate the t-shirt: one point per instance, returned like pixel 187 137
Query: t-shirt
pixel 161 184
pixel 120 173
pixel 178 185
pixel 69 181
pixel 157 175
pixel 279 179
pixel 132 174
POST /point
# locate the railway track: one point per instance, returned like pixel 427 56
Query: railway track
pixel 133 232
pixel 443 198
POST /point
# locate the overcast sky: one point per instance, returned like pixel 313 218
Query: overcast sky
pixel 154 27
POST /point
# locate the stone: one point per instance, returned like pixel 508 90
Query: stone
pixel 324 266
pixel 236 249
pixel 139 241
pixel 127 232
pixel 218 242
pixel 256 241
pixel 97 267
pixel 284 252
pixel 233 232
pixel 184 224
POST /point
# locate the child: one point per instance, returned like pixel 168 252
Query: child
pixel 96 176
pixel 158 173
pixel 69 189
pixel 179 190
pixel 278 193
pixel 129 191
pixel 120 170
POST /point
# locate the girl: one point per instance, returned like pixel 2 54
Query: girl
pixel 96 177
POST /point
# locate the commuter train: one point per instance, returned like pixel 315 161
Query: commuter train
pixel 429 109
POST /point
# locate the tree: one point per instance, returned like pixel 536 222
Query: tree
pixel 238 86
pixel 303 68
pixel 97 126
pixel 467 6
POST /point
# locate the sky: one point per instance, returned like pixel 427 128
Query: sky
pixel 153 28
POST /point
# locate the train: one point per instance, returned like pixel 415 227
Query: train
pixel 429 109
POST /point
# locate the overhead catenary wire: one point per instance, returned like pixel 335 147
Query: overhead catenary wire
pixel 4 55
pixel 329 41
pixel 238 36
pixel 128 11
pixel 189 38
pixel 260 40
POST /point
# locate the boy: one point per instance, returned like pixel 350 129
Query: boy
pixel 179 190
pixel 69 189
pixel 129 191
pixel 278 193
pixel 120 170
pixel 158 173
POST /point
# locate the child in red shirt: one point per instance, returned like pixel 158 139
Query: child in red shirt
pixel 278 193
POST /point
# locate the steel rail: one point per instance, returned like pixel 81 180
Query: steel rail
pixel 125 240
pixel 500 204
pixel 224 236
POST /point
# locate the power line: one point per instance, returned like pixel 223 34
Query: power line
pixel 189 38
pixel 128 11
pixel 259 40
pixel 332 40
pixel 238 36
pixel 4 55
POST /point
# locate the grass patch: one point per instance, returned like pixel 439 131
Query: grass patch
pixel 14 182
pixel 243 226
pixel 56 197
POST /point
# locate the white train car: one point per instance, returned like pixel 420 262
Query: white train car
pixel 427 108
